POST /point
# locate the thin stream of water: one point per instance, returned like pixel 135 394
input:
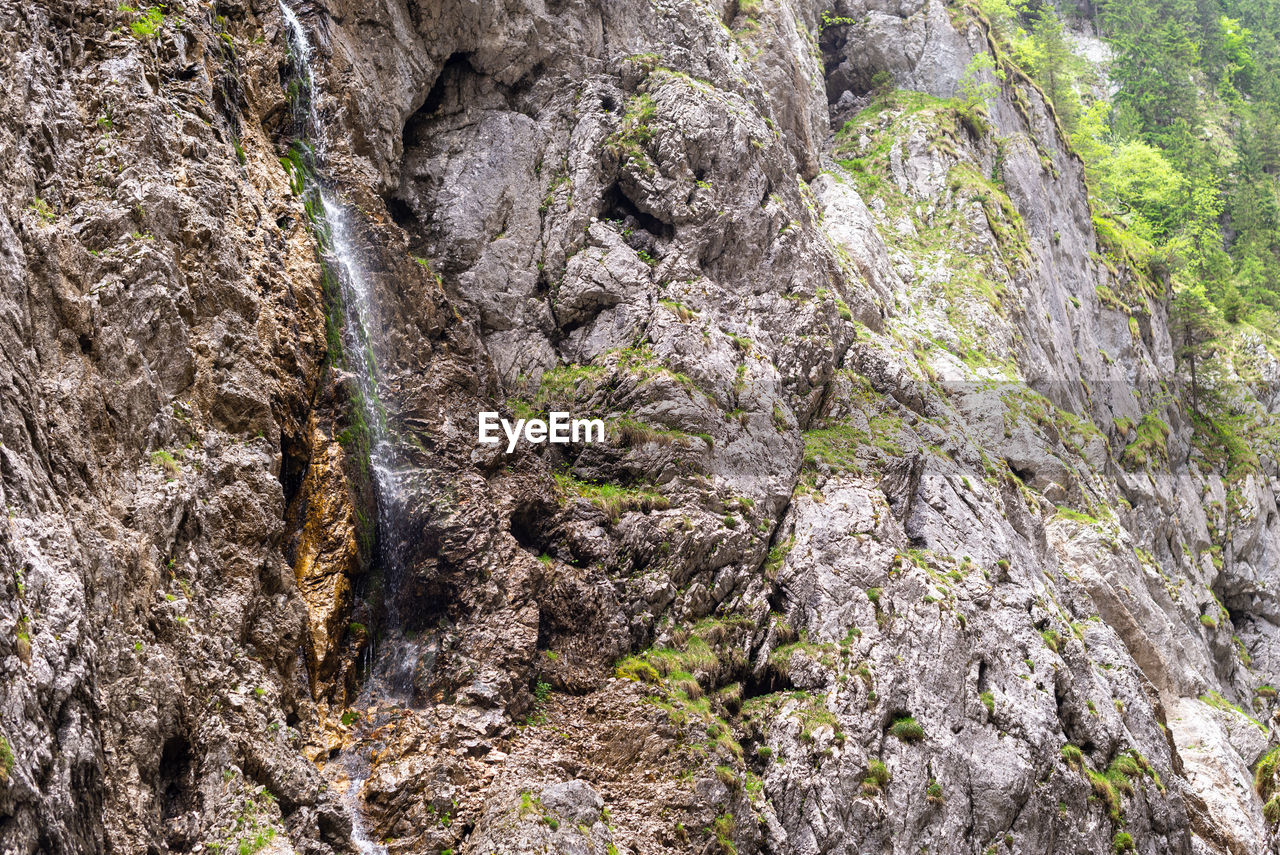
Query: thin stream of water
pixel 360 325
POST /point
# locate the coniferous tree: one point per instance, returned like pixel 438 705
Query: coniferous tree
pixel 1194 329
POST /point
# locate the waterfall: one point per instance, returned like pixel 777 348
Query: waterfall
pixel 357 336
pixel 360 320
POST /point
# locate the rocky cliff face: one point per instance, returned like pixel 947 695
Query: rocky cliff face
pixel 899 540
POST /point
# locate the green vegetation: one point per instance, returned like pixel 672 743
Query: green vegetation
pixel 614 500
pixel 777 555
pixel 1117 781
pixel 541 693
pixel 1183 168
pixel 632 433
pixel 1218 702
pixel 1104 790
pixel 695 679
pixel 979 85
pixel 1072 514
pixel 1264 775
pixel 252 829
pixel 1149 446
pixel 630 142
pixel 972 292
pixel 877 778
pixel 6 758
pixel 837 447
pixel 146 22
pixel 1184 156
pixel 1271 810
pixel 814 714
pixel 43 210
pixel 166 461
pixel 1122 842
pixel 1052 639
pixel 907 729
pixel 828 19
pixel 635 668
pixel 724 828
pixel 988 701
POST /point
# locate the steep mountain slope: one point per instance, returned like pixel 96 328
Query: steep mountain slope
pixel 901 539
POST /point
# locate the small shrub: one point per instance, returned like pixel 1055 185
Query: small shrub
pixel 724 829
pixel 167 462
pixel 1271 810
pixel 933 792
pixel 882 83
pixel 541 692
pixel 1151 444
pixel 633 668
pixel 1073 756
pixel 1122 842
pixel 148 23
pixel 1264 773
pixel 43 210
pixel 1106 792
pixel 1076 516
pixel 631 139
pixel 1126 765
pixel 907 729
pixel 877 777
pixel 1052 639
pixel 988 701
pixel 1209 621
pixel 6 758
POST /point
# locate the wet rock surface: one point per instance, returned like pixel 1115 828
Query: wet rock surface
pixel 867 561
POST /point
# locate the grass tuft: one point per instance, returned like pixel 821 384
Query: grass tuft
pixel 907 729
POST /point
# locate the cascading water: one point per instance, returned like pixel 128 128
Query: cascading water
pixel 359 309
pixel 390 677
pixel 358 337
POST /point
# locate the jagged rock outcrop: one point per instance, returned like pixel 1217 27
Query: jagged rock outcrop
pixel 899 538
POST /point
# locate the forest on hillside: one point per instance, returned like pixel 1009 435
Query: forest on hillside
pixel 1182 142
pixel 1179 132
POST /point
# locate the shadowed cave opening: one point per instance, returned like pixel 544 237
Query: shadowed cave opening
pixel 174 778
pixel 614 205
pixel 528 525
pixel 401 214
